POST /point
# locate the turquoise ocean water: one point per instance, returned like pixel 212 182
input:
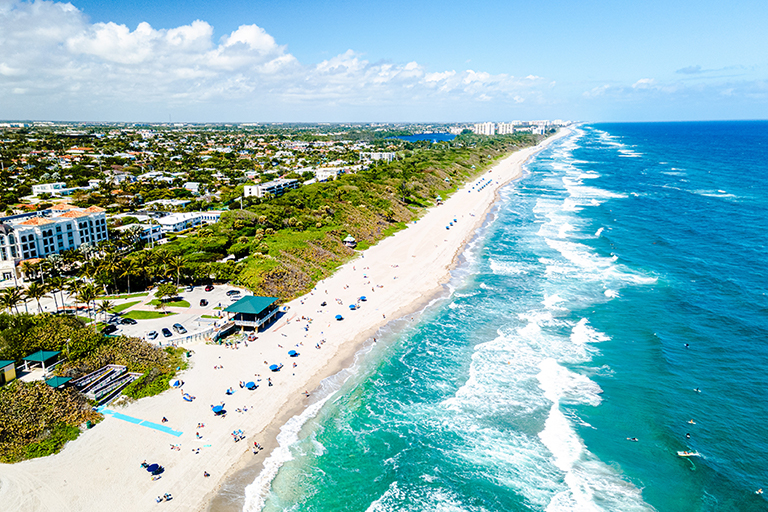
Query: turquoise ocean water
pixel 562 334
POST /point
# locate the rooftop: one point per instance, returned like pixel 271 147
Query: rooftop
pixel 251 305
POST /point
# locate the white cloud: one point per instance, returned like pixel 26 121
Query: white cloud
pixel 644 83
pixel 60 65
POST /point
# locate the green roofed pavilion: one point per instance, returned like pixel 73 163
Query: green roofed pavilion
pixel 253 312
pixel 56 382
pixel 41 356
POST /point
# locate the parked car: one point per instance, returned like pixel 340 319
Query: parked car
pixel 179 328
pixel 109 329
pixel 128 321
pixel 203 303
pixel 235 298
pixel 190 288
pixel 209 287
pixel 167 332
pixel 151 335
pixel 233 292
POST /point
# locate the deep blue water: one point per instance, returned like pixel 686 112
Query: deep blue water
pixel 434 137
pixel 563 335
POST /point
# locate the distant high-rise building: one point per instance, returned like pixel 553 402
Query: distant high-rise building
pixel 485 128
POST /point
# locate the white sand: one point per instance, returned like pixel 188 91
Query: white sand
pixel 101 469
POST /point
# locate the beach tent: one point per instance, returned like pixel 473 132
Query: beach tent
pixel 293 353
pixel 339 317
pixel 251 385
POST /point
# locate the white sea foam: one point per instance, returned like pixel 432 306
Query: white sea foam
pixel 611 294
pixel 599 232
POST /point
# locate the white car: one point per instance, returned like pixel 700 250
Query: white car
pixel 151 335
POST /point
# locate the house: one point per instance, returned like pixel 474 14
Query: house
pixel 54 189
pixel 193 187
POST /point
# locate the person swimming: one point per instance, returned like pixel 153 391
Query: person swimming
pixel 633 439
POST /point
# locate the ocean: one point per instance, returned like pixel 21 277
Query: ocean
pixel 617 292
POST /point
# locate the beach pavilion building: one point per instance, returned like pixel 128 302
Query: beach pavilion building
pixel 253 312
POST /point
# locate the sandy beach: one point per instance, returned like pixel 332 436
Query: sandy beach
pixel 102 468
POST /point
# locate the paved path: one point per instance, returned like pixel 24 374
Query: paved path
pixel 137 421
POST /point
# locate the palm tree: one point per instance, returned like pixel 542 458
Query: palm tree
pixel 29 270
pixel 87 294
pixel 73 288
pixel 175 265
pixel 37 291
pixel 129 267
pixel 10 298
pixel 105 306
pixel 54 284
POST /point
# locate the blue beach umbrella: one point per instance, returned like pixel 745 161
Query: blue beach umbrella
pixel 363 299
pixel 339 317
pixel 293 353
pixel 217 409
pixel 274 367
pixel 250 385
pixel 152 468
pixel 352 307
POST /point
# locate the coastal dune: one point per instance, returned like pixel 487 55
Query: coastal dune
pixel 102 468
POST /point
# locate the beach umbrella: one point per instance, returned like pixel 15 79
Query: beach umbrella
pixel 293 353
pixel 339 317
pixel 217 409
pixel 275 368
pixel 153 467
pixel 363 299
pixel 352 307
pixel 250 385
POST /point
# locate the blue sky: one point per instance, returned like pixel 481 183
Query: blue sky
pixel 387 61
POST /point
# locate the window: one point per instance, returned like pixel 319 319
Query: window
pixel 58 229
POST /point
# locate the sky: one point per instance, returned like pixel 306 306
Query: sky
pixel 395 61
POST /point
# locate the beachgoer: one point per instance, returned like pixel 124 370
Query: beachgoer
pixel 205 474
pixel 164 420
pixel 687 435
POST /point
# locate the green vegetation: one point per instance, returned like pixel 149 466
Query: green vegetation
pixel 37 420
pixel 171 304
pixel 124 296
pixel 209 316
pixel 141 314
pixel 122 307
pixel 156 379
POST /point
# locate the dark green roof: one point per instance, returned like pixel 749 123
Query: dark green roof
pixel 4 363
pixel 41 356
pixel 251 305
pixel 55 382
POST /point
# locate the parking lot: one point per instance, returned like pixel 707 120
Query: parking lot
pixel 191 318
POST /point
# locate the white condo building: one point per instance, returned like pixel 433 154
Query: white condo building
pixel 485 128
pixel 275 187
pixel 66 227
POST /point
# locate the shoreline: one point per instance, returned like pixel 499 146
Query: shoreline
pixel 243 473
pixel 103 464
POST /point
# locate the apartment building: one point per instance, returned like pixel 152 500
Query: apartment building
pixel 64 227
pixel 275 187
